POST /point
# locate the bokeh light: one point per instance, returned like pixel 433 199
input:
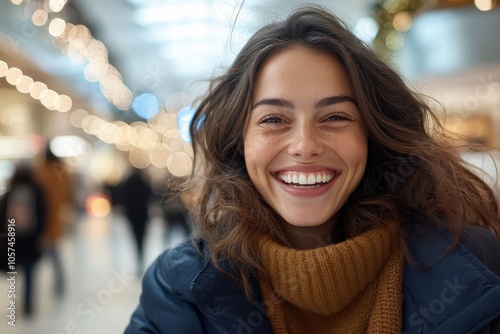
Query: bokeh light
pixel 56 27
pixel 98 205
pixel 366 29
pixel 14 76
pixel 40 17
pixel 485 5
pixel 3 68
pixel 145 105
pixel 184 118
pixel 39 90
pixel 57 5
pixel 139 158
pixel 25 85
pixel 77 117
pixel 179 164
pixel 402 21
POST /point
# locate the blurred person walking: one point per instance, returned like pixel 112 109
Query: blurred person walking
pixel 23 214
pixel 134 195
pixel 57 183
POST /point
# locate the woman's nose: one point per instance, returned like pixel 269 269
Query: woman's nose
pixel 306 141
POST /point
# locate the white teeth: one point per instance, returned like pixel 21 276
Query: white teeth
pixel 305 178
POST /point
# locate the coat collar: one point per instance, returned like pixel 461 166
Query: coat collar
pixel 219 298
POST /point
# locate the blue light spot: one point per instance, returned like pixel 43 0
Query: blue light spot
pixel 145 105
pixel 184 118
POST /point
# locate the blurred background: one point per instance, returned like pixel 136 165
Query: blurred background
pixel 95 99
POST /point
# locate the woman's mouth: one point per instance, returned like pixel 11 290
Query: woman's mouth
pixel 306 179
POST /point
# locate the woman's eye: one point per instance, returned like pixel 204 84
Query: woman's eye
pixel 336 118
pixel 271 119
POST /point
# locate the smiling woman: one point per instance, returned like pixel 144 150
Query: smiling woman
pixel 304 128
pixel 324 203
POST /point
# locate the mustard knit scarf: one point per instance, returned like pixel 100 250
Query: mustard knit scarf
pixel 351 287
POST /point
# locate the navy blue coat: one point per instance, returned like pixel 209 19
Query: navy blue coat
pixel 460 293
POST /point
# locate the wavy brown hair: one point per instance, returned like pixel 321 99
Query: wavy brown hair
pixel 411 168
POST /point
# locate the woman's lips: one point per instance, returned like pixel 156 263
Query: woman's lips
pixel 296 178
pixel 307 183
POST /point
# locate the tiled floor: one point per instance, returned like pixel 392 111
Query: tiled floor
pixel 102 284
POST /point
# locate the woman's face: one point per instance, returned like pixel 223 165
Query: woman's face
pixel 304 141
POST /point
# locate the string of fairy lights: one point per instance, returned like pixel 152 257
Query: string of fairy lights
pixel 156 142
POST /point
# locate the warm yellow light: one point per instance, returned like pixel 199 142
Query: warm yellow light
pixel 131 135
pixel 108 132
pixel 77 117
pixel 40 17
pixel 159 156
pixel 175 144
pixel 95 126
pixel 56 5
pixel 164 122
pixel 87 122
pixel 122 98
pixel 122 132
pixel 97 52
pixel 79 35
pixel 3 68
pixel 17 2
pixel 66 103
pixel 144 137
pixel 65 37
pixel 39 90
pixel 394 40
pixel 76 51
pixel 98 206
pixel 402 21
pixel 179 164
pixel 25 85
pixel 56 27
pixel 14 76
pixel 125 147
pixel 139 158
pixel 485 5
pixel 50 100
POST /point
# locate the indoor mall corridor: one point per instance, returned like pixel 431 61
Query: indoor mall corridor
pixel 102 283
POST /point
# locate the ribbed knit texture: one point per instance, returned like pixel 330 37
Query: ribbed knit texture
pixel 351 287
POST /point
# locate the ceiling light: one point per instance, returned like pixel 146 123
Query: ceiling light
pixel 485 5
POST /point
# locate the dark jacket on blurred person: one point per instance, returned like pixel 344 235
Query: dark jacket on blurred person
pixel 23 207
pixel 184 293
pixel 134 194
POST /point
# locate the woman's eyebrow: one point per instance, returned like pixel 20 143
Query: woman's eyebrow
pixel 327 101
pixel 274 102
pixel 331 100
